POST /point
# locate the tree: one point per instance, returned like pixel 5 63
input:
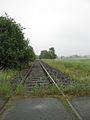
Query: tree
pixel 14 49
pixel 48 54
pixel 44 54
pixel 52 53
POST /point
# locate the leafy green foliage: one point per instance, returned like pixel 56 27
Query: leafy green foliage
pixel 48 54
pixel 14 49
pixel 44 54
pixel 52 53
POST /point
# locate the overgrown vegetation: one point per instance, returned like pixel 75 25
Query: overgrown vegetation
pixel 78 71
pixel 21 89
pixel 15 51
pixel 40 90
pixel 5 86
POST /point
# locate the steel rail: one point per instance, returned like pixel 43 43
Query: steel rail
pixel 26 75
pixel 37 76
pixel 67 100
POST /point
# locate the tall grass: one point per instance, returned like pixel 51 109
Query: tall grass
pixel 77 70
pixel 5 77
pixel 41 90
pixel 21 89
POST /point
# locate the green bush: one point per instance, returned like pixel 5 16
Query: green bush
pixel 15 50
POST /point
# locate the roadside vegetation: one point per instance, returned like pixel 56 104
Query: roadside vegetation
pixel 15 50
pixel 78 72
pixel 15 54
pixel 21 89
pixel 5 86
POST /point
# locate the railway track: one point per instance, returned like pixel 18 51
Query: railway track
pixel 64 96
pixel 42 74
pixel 37 76
pixel 58 76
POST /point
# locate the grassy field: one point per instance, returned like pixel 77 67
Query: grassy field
pixel 5 77
pixel 78 71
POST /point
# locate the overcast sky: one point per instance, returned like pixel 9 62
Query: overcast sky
pixel 62 24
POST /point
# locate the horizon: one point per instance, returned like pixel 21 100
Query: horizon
pixel 64 25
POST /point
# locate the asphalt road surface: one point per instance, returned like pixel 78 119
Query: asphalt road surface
pixel 37 109
pixel 2 101
pixel 82 105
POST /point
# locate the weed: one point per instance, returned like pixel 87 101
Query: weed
pixel 5 86
pixel 21 89
pixel 41 90
pixel 78 71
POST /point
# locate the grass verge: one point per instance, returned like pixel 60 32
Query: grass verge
pixel 79 73
pixel 5 86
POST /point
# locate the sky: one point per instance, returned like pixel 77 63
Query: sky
pixel 62 24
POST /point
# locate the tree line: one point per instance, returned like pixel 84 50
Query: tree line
pixel 48 54
pixel 15 50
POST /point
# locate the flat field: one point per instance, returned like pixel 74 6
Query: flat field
pixel 78 71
